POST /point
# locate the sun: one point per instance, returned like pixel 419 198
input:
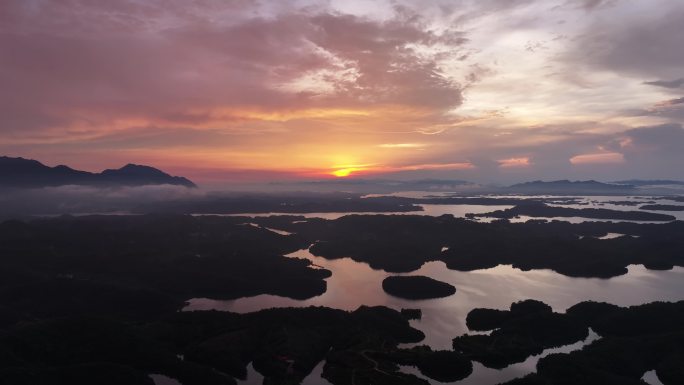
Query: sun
pixel 346 167
pixel 345 172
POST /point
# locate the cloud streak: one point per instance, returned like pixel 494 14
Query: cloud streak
pixel 487 90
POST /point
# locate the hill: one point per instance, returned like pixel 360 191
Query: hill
pixel 570 187
pixel 29 173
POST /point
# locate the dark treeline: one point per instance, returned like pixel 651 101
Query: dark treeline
pixel 95 299
pixel 662 207
pixel 633 340
pixel 178 257
pixel 539 209
pixel 403 243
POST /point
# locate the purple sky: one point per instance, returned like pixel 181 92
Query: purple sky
pixel 255 90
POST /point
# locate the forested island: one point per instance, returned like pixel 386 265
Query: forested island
pixel 417 287
pixel 539 209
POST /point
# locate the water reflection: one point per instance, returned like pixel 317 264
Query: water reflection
pixel 459 211
pixel 651 378
pixel 253 377
pixel 314 378
pixel 621 203
pixel 160 379
pixel 353 284
pixel 484 375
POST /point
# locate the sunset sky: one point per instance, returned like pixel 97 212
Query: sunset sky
pixel 256 90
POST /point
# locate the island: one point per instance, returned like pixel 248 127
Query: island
pixel 416 287
pixel 632 340
pixel 403 243
pixel 538 209
pixel 656 207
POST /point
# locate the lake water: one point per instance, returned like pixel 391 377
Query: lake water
pixel 314 378
pixel 353 284
pixel 160 379
pixel 608 202
pixel 460 210
pixel 483 375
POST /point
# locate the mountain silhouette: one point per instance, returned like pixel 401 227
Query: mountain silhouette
pixel 569 187
pixel 20 172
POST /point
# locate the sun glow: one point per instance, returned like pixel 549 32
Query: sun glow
pixel 345 172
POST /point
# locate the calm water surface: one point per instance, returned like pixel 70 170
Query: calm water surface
pixel 483 375
pixel 461 210
pixel 353 284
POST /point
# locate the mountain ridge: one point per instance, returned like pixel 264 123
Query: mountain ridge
pixel 649 182
pixel 29 173
pixel 567 186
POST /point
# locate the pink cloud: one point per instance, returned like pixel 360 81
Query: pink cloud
pixel 514 162
pixel 600 158
pixel 85 63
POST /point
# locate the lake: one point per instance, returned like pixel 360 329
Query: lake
pixel 353 284
pixel 621 203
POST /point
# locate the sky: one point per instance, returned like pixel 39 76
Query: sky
pixel 240 90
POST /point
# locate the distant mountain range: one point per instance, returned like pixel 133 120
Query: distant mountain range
pixel 462 187
pixel 28 173
pixel 570 187
pixel 655 182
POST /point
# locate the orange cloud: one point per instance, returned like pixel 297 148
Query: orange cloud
pixel 401 145
pixel 349 170
pixel 514 162
pixel 434 166
pixel 601 158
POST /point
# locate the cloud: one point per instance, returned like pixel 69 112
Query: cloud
pixel 645 41
pixel 671 102
pixel 599 158
pixel 671 109
pixel 98 65
pixel 237 85
pixel 243 88
pixel 514 162
pixel 655 151
pixel 667 138
pixel 389 70
pixel 590 5
pixel 401 145
pixel 676 83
